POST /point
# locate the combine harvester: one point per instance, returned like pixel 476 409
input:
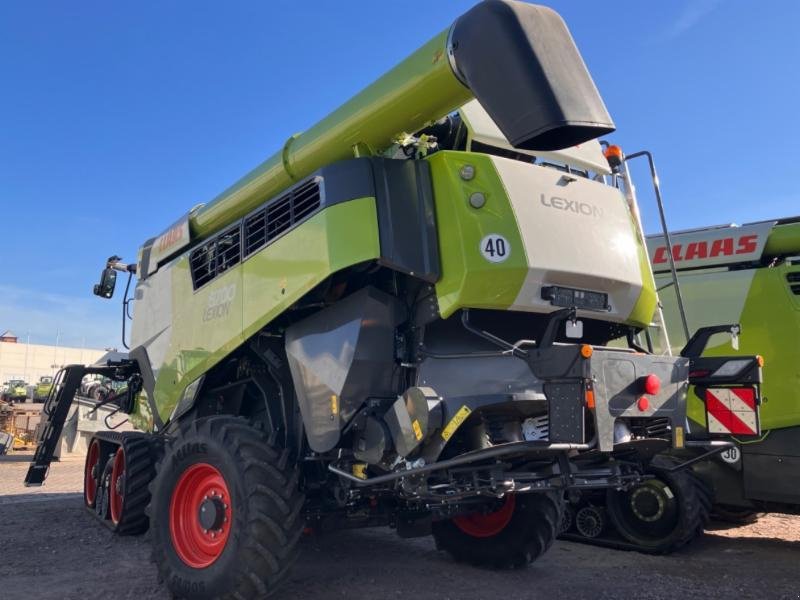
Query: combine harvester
pixel 748 275
pixel 401 318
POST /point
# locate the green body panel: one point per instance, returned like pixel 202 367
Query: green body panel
pixel 214 320
pixel 783 240
pixel 645 307
pixel 405 99
pixel 468 280
pixel 763 303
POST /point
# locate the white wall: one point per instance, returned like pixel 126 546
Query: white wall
pixel 31 361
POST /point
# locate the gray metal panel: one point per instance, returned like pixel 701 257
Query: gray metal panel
pixel 341 356
pixel 406 217
pixel 565 409
pixel 772 478
pixel 617 389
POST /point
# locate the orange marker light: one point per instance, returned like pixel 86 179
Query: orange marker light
pixel 760 360
pixel 586 351
pixel 613 155
pixel 590 399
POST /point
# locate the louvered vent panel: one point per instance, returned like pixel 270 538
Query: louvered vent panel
pixel 215 257
pixel 281 215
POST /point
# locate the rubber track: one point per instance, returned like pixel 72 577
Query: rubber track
pixel 269 538
pixel 139 472
pixel 140 452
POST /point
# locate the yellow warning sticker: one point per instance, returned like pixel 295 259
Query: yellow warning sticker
pixel 455 422
pixel 334 405
pixel 678 437
pixel 417 429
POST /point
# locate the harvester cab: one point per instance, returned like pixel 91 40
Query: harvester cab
pixel 404 317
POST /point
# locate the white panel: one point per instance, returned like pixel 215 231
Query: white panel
pixel 710 247
pixel 578 235
pixel 588 155
pixel 152 325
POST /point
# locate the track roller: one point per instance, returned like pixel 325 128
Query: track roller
pixel 590 521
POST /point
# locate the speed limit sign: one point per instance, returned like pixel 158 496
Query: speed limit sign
pixel 731 455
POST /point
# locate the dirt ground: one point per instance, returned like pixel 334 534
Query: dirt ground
pixel 52 548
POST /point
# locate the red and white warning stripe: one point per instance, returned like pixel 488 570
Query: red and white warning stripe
pixel 732 410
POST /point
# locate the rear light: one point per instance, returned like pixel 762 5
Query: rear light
pixel 651 384
pixel 590 402
pixel 643 404
pixel 586 351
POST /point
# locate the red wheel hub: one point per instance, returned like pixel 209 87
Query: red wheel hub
pixel 116 484
pixel 200 515
pixel 481 525
pixel 89 480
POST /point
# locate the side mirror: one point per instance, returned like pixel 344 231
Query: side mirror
pixel 108 280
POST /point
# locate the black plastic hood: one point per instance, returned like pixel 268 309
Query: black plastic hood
pixel 552 102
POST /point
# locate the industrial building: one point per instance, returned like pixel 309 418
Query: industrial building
pixel 22 360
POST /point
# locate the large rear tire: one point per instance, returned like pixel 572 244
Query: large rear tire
pixel 514 535
pixel 225 512
pixel 663 513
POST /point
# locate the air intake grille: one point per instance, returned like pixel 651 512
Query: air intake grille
pixel 794 282
pixel 280 215
pixel 215 257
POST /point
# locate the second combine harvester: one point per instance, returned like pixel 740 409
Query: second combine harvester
pixel 372 328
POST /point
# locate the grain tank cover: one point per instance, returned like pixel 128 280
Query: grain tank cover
pixel 553 103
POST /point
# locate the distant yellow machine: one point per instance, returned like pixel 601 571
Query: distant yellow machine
pixel 13 436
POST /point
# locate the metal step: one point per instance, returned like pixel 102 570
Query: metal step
pixel 54 413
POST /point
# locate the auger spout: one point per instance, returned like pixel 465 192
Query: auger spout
pixel 517 59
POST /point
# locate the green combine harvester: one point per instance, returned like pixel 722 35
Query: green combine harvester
pixel 424 312
pixel 16 390
pixel 748 275
pixel 42 388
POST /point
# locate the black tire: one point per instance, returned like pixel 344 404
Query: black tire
pixel 259 484
pixel 130 518
pixel 91 473
pixel 664 513
pixel 529 533
pixel 101 501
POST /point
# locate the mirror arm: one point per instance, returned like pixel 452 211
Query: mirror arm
pixel 114 262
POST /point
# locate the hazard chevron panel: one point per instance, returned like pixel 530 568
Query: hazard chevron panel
pixel 732 410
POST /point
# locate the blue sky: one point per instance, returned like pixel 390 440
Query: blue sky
pixel 116 118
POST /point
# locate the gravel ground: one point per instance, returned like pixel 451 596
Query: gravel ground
pixel 53 548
